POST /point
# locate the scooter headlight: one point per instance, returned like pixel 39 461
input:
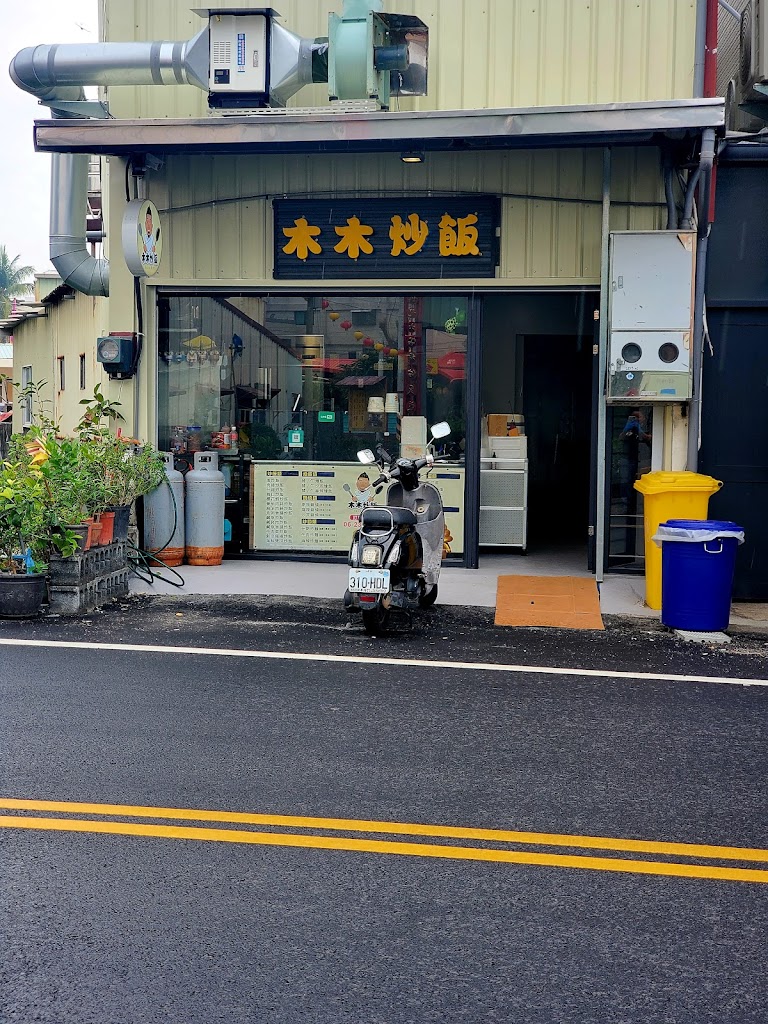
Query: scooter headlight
pixel 372 554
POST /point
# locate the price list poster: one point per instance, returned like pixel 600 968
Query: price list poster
pixel 316 506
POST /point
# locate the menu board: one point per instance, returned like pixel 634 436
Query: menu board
pixel 316 506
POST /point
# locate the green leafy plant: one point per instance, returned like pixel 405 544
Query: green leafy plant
pixel 29 525
pixel 13 280
pixel 52 482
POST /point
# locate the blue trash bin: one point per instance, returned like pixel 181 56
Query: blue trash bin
pixel 698 557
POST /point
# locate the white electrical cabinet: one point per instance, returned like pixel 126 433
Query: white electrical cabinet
pixel 238 56
pixel 504 503
pixel 650 316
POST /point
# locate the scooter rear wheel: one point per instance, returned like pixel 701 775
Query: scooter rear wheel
pixel 428 599
pixel 376 620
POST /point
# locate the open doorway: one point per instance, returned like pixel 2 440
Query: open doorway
pixel 538 370
pixel 557 401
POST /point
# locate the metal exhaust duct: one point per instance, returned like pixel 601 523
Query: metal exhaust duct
pixel 58 71
pixel 68 251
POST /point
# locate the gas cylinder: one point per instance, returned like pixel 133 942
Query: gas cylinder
pixel 164 516
pixel 204 511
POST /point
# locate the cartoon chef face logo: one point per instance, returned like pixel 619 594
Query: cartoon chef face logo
pixel 362 492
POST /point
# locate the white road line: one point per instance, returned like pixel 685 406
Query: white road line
pixel 475 666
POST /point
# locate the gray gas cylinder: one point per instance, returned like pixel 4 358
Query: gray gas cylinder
pixel 164 516
pixel 204 507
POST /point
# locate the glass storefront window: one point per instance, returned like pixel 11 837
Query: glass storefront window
pixel 307 379
pixel 630 433
pixel 270 365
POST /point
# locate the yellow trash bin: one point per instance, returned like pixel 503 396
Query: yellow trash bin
pixel 669 496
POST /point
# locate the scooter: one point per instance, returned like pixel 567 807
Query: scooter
pixel 395 557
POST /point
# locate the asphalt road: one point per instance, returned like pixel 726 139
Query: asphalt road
pixel 298 898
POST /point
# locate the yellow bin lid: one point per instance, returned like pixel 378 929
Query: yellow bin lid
pixel 660 482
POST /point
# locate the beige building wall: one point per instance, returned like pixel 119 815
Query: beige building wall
pixel 69 330
pixel 551 206
pixel 483 53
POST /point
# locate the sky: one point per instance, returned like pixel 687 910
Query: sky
pixel 24 174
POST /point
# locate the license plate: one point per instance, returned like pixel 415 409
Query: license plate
pixel 369 581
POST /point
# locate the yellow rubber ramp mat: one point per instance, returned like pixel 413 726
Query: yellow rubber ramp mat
pixel 562 602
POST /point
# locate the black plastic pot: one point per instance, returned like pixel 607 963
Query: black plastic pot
pixel 21 596
pixel 81 532
pixel 122 518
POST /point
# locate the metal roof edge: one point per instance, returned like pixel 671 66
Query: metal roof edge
pixel 360 132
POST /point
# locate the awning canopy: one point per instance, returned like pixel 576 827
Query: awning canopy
pixel 274 131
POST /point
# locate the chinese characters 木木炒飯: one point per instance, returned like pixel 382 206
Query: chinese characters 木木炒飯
pixel 458 236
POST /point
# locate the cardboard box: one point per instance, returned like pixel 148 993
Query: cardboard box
pixel 497 424
pixel 504 424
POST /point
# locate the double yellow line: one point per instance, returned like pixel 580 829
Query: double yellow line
pixel 307 835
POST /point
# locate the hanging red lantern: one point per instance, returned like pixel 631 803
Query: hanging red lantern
pixel 325 303
pixel 346 324
pixel 368 342
pixel 402 353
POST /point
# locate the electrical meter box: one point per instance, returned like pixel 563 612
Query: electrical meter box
pixel 650 316
pixel 239 54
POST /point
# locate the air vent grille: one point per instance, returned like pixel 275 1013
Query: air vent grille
pixel 222 52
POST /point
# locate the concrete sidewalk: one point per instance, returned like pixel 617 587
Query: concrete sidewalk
pixel 619 595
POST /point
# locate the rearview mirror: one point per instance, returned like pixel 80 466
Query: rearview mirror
pixel 441 429
pixel 366 456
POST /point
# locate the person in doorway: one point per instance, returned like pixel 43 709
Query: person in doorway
pixel 634 436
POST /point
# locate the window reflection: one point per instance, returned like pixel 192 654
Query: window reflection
pixel 309 377
pixel 631 437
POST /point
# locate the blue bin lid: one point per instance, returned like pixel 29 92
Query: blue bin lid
pixel 703 524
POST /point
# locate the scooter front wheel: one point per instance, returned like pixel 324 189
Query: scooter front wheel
pixel 376 620
pixel 428 599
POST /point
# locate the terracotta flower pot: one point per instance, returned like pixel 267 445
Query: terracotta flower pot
pixel 95 534
pixel 89 539
pixel 107 527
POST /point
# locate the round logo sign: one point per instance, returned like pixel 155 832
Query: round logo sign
pixel 142 238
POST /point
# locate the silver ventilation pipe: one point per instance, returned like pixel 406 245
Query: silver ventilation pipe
pixel 58 71
pixel 68 251
pixel 294 63
pixel 57 74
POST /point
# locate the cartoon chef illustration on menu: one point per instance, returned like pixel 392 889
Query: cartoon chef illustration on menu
pixel 363 493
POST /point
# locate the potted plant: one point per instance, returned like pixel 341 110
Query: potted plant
pixel 131 470
pixel 29 532
pixel 122 468
pixel 51 483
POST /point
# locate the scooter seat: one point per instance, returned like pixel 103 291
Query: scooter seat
pixel 379 518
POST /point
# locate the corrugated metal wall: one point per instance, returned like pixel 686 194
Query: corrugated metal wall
pixel 483 53
pixel 553 237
